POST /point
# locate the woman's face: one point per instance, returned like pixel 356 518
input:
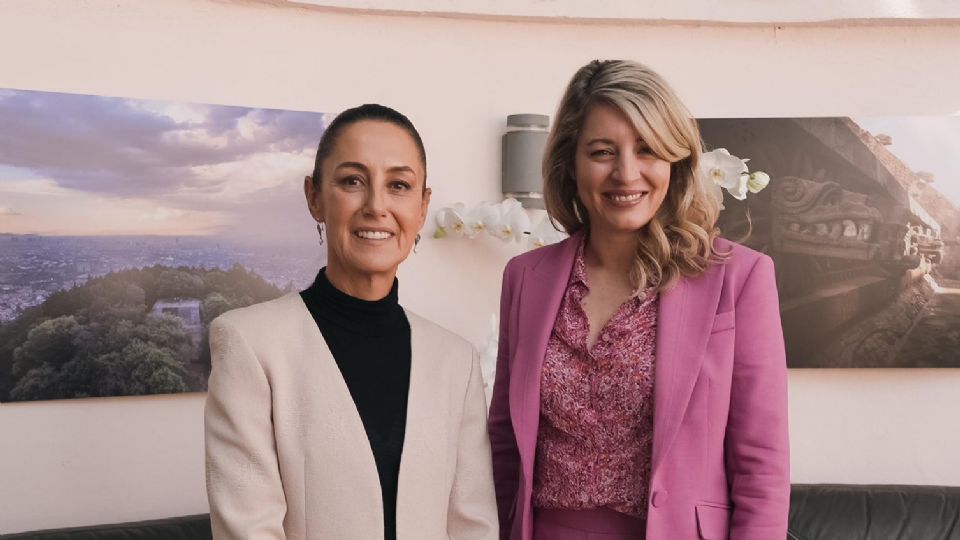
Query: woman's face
pixel 619 180
pixel 371 198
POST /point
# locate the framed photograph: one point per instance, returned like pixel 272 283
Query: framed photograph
pixel 861 218
pixel 127 225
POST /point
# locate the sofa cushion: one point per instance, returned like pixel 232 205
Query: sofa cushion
pixel 840 512
pixel 177 528
pixel 817 512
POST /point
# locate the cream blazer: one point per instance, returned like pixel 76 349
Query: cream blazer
pixel 287 456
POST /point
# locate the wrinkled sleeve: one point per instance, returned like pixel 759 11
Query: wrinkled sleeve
pixel 506 456
pixel 757 443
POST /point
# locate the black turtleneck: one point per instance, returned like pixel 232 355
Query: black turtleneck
pixel 370 341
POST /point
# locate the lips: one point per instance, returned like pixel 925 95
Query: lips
pixel 625 197
pixel 373 234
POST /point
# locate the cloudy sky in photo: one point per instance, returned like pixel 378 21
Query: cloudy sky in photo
pixel 924 143
pixel 90 165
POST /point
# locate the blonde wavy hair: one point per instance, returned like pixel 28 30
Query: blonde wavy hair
pixel 678 240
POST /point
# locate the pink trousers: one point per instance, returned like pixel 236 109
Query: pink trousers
pixel 594 524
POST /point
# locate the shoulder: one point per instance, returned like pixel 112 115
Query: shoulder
pixel 528 259
pixel 740 261
pixel 744 271
pixel 263 317
pixel 438 337
pixel 553 252
pixel 449 357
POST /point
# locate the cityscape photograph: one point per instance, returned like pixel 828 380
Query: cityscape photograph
pixel 127 225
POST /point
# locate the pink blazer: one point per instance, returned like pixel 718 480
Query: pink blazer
pixel 720 466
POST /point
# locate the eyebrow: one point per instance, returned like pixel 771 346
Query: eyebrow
pixel 599 140
pixel 362 167
pixel 610 142
pixel 352 165
pixel 402 168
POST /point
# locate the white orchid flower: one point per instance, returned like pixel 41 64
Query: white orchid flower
pixel 725 170
pixel 544 234
pixel 757 181
pixel 508 205
pixel 514 222
pixel 722 168
pixel 449 220
pixel 505 209
pixel 520 224
pixel 483 217
pixel 739 191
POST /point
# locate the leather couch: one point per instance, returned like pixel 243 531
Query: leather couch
pixel 855 512
pixel 177 528
pixel 817 512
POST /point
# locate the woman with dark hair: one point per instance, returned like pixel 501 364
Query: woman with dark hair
pixel 641 387
pixel 337 413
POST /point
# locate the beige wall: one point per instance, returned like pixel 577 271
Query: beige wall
pixel 102 460
pixel 728 11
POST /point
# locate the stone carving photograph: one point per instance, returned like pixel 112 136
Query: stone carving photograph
pixel 127 225
pixel 861 218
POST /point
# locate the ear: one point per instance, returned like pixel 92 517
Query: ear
pixel 314 199
pixel 425 206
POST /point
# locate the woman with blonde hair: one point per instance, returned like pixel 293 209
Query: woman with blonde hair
pixel 641 377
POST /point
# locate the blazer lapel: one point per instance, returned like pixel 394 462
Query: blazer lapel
pixel 541 292
pixel 425 427
pixel 685 318
pixel 334 435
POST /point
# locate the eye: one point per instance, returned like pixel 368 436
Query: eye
pixel 400 185
pixel 351 181
pixel 602 152
pixel 644 150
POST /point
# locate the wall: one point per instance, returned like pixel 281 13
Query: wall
pixel 102 460
pixel 728 11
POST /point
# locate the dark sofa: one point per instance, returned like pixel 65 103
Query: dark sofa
pixel 817 512
pixel 854 512
pixel 177 528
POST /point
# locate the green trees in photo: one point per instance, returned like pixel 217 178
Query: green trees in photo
pixel 101 339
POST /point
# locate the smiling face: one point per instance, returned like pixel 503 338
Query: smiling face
pixel 371 198
pixel 620 181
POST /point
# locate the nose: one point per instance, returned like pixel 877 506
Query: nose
pixel 374 204
pixel 629 168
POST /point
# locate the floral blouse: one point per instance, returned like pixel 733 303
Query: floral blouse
pixel 596 406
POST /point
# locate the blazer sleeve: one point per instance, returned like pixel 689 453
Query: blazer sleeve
pixel 506 456
pixel 472 514
pixel 243 478
pixel 757 444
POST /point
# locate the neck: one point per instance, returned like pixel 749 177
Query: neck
pixel 611 252
pixel 370 287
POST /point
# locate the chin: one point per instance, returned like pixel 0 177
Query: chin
pixel 626 226
pixel 376 264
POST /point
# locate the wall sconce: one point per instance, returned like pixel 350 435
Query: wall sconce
pixel 523 146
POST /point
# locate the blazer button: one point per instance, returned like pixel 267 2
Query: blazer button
pixel 659 498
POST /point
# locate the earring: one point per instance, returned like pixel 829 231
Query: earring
pixel 416 241
pixel 320 231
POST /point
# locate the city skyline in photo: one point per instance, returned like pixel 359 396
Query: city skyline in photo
pixel 91 185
